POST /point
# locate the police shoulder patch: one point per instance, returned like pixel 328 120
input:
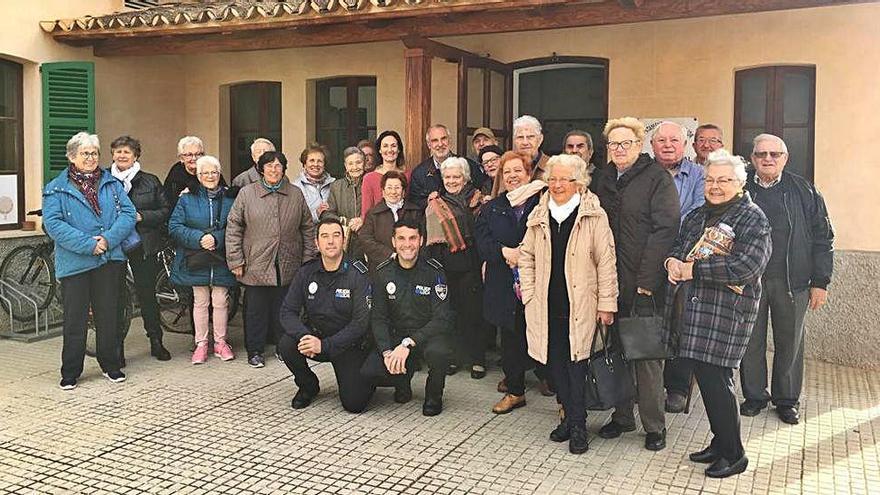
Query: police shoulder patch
pixel 436 264
pixel 360 266
pixel 384 263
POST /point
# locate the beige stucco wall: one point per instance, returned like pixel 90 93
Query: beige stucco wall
pixel 686 68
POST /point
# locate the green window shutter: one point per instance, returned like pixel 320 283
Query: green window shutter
pixel 68 108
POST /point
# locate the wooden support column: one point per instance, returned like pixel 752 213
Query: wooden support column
pixel 417 104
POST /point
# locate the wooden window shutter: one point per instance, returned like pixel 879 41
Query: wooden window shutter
pixel 68 108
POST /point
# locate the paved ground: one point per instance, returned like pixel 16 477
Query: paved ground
pixel 226 428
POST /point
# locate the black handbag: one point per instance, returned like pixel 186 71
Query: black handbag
pixel 609 381
pixel 644 337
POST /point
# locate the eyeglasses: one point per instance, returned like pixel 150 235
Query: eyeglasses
pixel 614 145
pixel 559 180
pixel 712 141
pixel 721 182
pixel 192 156
pixel 89 154
pixel 209 173
pixel 491 160
pixel 765 154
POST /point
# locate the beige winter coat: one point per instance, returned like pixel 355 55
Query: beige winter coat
pixel 590 274
pixel 265 228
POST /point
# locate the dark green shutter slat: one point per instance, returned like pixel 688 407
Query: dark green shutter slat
pixel 68 108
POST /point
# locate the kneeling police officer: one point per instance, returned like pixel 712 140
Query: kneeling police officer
pixel 411 315
pixel 333 295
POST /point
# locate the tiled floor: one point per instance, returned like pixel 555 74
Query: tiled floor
pixel 226 428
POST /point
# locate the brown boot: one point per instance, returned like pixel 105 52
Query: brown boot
pixel 509 403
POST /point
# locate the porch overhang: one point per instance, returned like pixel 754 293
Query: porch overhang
pixel 243 25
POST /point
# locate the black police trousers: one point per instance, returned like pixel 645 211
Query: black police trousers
pixel 355 391
pixel 436 353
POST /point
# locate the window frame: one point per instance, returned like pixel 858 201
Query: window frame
pixel 18 72
pixel 263 125
pixel 351 83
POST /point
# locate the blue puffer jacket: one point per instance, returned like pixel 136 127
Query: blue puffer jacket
pixel 194 215
pixel 72 223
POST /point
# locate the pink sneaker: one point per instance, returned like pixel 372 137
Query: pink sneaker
pixel 200 355
pixel 223 351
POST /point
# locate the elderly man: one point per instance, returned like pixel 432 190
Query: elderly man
pixel 483 137
pixel 426 178
pixel 796 277
pixel 527 138
pixel 707 138
pixel 580 143
pixel 251 175
pixel 668 143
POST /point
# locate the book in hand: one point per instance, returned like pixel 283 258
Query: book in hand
pixel 715 241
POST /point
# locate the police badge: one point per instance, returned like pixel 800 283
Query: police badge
pixel 440 290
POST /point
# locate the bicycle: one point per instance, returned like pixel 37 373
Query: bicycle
pixel 31 269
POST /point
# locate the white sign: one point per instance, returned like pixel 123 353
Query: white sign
pixel 8 199
pixel 689 123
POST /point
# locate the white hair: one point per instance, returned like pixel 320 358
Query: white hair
pixel 723 157
pixel 577 164
pixel 435 126
pixel 189 141
pixel 207 161
pixel 527 121
pixel 768 137
pixel 681 129
pixel 454 161
pixel 261 141
pixel 79 140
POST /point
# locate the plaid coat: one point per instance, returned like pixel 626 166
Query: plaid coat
pixel 716 323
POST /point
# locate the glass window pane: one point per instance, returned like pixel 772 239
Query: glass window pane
pixel 367 105
pixel 796 102
pixel 256 112
pixel 9 132
pixel 745 136
pixel 475 97
pixel 797 139
pixel 246 107
pixel 753 98
pixel 497 100
pixel 274 111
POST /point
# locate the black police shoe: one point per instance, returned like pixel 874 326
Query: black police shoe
pixel 432 406
pixel 705 456
pixel 403 393
pixel 722 468
pixel 656 441
pixel 303 399
pixel 561 433
pixel 578 443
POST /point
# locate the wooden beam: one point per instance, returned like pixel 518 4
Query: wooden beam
pixel 451 53
pixel 554 17
pixel 417 104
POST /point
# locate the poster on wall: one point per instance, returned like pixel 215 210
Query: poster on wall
pixel 689 123
pixel 8 199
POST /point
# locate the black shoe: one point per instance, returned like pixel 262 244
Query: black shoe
pixel 561 433
pixel 67 383
pixel 614 430
pixel 452 369
pixel 403 393
pixel 751 407
pixel 722 468
pixel 705 456
pixel 302 399
pixel 115 376
pixel 432 406
pixel 478 371
pixel 578 443
pixel 256 360
pixel 656 441
pixel 788 414
pixel 675 402
pixel 158 351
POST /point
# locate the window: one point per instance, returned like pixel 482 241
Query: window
pixel 68 108
pixel 345 114
pixel 11 147
pixel 779 100
pixel 254 111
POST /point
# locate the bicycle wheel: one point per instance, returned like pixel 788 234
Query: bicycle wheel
pixel 174 305
pixel 30 272
pixel 127 300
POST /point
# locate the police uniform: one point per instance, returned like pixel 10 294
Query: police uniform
pixel 335 307
pixel 411 306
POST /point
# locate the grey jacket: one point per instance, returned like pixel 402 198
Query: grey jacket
pixel 249 176
pixel 314 192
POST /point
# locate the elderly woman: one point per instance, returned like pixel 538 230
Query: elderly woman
pixel 148 197
pixel 390 148
pixel 345 198
pixel 490 157
pixel 198 227
pixel 269 235
pixel 88 215
pixel 314 182
pixel 461 261
pixel 378 227
pixel 641 201
pixel 182 175
pixel 713 300
pixel 569 282
pixel 499 229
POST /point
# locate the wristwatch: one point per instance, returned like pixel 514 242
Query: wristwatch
pixel 408 343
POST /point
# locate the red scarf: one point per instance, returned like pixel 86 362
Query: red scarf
pixel 87 183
